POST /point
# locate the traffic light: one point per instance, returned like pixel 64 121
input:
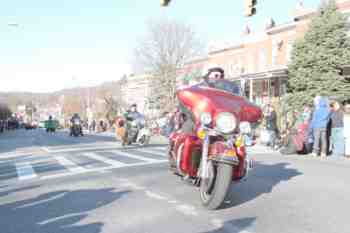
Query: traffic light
pixel 249 7
pixel 164 2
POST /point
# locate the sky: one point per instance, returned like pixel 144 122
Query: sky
pixel 68 43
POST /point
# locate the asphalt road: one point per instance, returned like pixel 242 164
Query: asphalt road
pixel 59 184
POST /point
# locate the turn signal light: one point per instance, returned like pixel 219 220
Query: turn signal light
pixel 239 141
pixel 230 153
pixel 201 134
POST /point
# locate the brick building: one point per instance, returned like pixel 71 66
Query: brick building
pixel 259 60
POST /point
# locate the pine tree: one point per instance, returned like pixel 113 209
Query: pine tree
pixel 317 58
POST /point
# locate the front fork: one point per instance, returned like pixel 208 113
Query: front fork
pixel 204 162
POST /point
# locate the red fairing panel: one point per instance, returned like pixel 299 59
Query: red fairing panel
pixel 203 99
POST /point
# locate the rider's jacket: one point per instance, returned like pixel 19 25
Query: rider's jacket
pixel 130 116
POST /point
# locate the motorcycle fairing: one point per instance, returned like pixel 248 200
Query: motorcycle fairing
pixel 200 99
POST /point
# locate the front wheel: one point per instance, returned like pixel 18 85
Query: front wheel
pixel 214 189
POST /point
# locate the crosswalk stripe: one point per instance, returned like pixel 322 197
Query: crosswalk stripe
pixel 161 148
pixel 104 159
pixel 25 171
pixel 150 151
pixel 70 165
pixel 122 153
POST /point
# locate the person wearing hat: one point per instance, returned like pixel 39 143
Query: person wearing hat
pixel 213 74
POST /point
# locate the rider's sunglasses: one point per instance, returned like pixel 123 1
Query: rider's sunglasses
pixel 215 75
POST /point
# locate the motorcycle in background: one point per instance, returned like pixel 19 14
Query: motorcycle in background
pixel 214 156
pixel 76 128
pixel 133 131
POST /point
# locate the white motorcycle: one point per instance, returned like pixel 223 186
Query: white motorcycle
pixel 138 132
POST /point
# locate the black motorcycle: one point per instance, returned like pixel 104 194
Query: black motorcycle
pixel 76 128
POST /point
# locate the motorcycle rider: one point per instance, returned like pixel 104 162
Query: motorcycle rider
pixel 131 115
pixel 74 118
pixel 183 117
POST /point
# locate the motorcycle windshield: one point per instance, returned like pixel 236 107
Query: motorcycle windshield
pixel 217 97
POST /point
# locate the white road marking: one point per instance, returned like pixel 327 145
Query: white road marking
pixel 12 155
pixel 42 201
pixel 161 148
pixel 112 162
pixel 134 156
pixel 71 166
pixel 228 227
pixel 172 202
pixel 25 171
pixel 46 149
pixel 96 170
pixel 187 210
pixel 62 217
pixel 155 195
pixel 150 151
pixel 131 185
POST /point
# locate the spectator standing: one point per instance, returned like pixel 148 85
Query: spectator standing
pixel 319 124
pixel 337 130
pixel 271 124
pixel 93 125
pixel 347 129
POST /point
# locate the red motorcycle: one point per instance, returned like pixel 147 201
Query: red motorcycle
pixel 213 155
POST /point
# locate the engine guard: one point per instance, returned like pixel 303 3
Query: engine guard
pixel 231 160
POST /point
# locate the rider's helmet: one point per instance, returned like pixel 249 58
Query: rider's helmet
pixel 133 107
pixel 213 72
pixel 50 117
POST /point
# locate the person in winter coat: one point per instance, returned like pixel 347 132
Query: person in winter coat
pixel 271 124
pixel 337 133
pixel 319 122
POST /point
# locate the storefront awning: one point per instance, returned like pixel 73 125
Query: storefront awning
pixel 281 72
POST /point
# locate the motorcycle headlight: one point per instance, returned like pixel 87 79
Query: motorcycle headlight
pixel 134 123
pixel 245 128
pixel 206 118
pixel 226 122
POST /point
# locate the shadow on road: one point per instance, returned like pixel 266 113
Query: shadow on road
pixel 11 191
pixel 57 212
pixel 262 179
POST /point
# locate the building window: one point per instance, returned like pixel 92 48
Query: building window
pixel 274 52
pixel 262 62
pixel 251 63
pixel 289 50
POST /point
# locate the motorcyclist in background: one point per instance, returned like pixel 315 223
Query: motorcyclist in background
pixel 132 113
pixel 132 117
pixel 74 118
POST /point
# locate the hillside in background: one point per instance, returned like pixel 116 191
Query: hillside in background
pixel 13 99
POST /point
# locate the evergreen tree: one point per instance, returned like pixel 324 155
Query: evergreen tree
pixel 317 58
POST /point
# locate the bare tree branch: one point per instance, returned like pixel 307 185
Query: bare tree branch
pixel 165 48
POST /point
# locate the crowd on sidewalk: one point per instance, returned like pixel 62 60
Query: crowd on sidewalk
pixel 8 124
pixel 320 130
